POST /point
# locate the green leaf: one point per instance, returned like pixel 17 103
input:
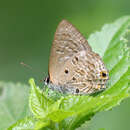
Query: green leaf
pixel 24 124
pixel 100 41
pixel 41 124
pixel 39 104
pixel 42 107
pixel 13 103
pixel 28 123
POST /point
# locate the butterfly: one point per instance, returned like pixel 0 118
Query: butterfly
pixel 73 67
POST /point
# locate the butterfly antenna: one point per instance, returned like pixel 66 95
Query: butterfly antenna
pixel 25 65
pixel 29 67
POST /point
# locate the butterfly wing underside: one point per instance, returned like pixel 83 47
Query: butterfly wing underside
pixel 68 41
pixel 72 62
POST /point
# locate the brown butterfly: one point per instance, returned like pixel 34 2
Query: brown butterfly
pixel 73 67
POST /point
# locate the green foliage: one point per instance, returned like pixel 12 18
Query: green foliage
pixel 70 112
pixel 27 123
pixel 13 103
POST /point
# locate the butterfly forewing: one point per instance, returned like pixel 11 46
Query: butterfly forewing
pixel 67 42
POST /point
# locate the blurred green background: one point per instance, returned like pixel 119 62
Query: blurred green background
pixel 27 28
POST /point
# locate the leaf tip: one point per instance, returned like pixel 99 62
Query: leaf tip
pixel 31 82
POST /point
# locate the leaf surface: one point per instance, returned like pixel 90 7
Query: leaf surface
pixel 13 103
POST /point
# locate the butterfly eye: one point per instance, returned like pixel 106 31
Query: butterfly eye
pixel 47 80
pixel 103 74
pixel 66 71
